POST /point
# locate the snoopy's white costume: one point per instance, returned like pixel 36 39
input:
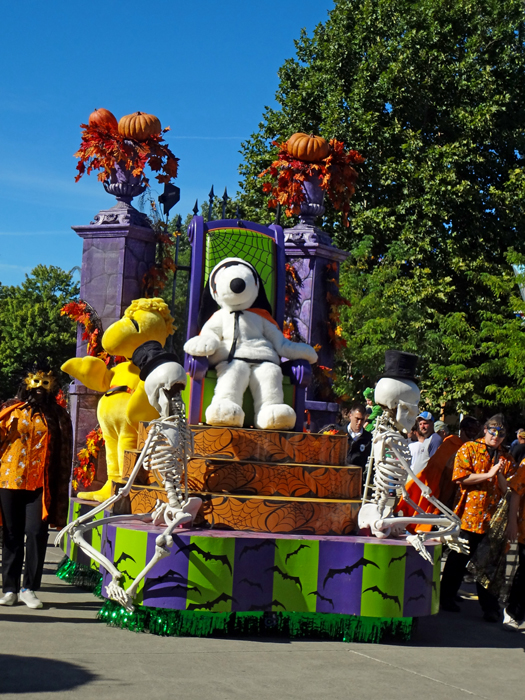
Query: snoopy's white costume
pixel 245 345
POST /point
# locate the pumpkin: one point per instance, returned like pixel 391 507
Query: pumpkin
pixel 104 118
pixel 307 147
pixel 139 126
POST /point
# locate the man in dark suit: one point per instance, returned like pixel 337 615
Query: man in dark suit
pixel 359 440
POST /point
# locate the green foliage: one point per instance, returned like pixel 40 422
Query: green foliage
pixel 432 94
pixel 31 327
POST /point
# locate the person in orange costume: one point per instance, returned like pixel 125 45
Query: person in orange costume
pixel 35 466
pixel 482 469
pixel 438 473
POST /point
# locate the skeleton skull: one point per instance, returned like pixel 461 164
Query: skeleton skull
pixel 401 396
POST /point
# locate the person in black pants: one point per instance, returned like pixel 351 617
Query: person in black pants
pixel 35 466
pixel 22 514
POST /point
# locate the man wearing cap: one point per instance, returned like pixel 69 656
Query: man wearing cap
pixel 427 444
pixel 441 429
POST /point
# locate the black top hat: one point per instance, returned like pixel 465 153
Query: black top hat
pixel 400 365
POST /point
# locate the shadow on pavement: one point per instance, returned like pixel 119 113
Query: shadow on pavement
pixel 33 674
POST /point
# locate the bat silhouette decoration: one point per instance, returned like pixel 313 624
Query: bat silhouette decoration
pixel 322 597
pixel 207 556
pixel 349 569
pixel 416 597
pixel 291 554
pixel 253 584
pixel 385 596
pixel 434 586
pixel 171 576
pixel 126 573
pixel 211 603
pixel 124 557
pixel 275 603
pixel 285 576
pixel 420 574
pixel 257 547
pixel 403 556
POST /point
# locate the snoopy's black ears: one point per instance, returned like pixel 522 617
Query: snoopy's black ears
pixel 208 306
pixel 262 300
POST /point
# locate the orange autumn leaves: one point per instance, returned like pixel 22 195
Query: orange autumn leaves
pixel 103 146
pixel 336 173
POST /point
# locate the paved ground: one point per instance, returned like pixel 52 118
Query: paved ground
pixel 63 650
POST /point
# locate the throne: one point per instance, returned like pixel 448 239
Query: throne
pixel 262 247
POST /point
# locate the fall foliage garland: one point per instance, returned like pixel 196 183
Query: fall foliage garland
pixel 336 174
pixel 102 148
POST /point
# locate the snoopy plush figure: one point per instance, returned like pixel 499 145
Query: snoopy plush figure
pixel 245 345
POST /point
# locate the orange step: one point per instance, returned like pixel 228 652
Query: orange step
pixel 254 478
pixel 265 446
pixel 320 516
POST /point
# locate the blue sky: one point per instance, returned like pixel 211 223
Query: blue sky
pixel 206 69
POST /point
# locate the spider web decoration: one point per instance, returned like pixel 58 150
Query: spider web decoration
pixel 256 248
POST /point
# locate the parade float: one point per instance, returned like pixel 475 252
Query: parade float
pixel 229 513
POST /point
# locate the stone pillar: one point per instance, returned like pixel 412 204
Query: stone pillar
pixel 119 248
pixel 311 251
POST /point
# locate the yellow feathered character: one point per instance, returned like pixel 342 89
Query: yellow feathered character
pixel 132 389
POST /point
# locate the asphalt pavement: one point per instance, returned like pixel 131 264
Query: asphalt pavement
pixel 63 650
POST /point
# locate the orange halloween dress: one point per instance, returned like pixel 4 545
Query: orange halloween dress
pixel 477 503
pixel 36 453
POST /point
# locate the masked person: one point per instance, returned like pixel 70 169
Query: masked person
pixel 35 467
pixel 481 469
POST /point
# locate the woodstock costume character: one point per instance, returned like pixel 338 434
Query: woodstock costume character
pixel 132 389
pixel 244 343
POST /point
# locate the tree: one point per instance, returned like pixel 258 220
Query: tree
pixel 431 93
pixel 31 327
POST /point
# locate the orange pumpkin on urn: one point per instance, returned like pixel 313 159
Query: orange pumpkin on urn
pixel 307 147
pixel 139 126
pixel 104 118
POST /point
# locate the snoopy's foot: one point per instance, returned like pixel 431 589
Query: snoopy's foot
pixel 225 412
pixel 99 496
pixel 277 416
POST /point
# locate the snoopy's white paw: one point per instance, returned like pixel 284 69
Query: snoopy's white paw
pixel 275 417
pixel 201 346
pixel 225 412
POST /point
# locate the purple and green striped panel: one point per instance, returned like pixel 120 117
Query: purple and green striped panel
pixel 225 573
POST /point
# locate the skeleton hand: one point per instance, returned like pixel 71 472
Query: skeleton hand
pixel 417 543
pixel 456 544
pixel 118 594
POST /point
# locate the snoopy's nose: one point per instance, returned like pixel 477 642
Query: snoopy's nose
pixel 237 285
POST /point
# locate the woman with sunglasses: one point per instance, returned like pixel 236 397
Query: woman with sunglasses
pixel 481 469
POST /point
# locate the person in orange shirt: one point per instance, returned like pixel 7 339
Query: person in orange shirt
pixel 35 466
pixel 481 469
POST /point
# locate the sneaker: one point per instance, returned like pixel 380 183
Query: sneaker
pixel 29 598
pixel 492 616
pixel 449 606
pixel 510 623
pixel 8 598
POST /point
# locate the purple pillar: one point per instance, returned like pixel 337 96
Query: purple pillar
pixel 311 251
pixel 119 248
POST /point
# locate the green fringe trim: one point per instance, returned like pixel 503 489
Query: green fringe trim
pixel 80 575
pixel 292 625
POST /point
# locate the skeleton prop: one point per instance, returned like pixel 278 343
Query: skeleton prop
pixel 165 453
pixel 389 463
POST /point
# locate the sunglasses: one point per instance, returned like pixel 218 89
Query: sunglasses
pixel 496 431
